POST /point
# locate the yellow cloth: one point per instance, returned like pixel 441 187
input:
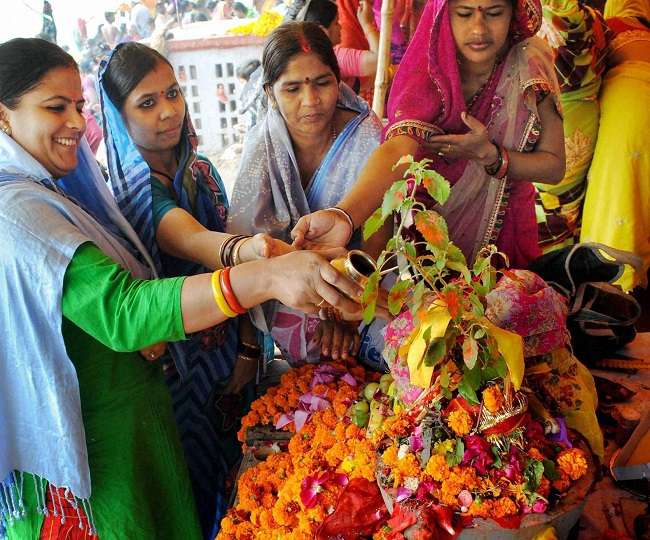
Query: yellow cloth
pixel 617 204
pixel 511 346
pixel 627 8
pixel 437 319
pixel 567 387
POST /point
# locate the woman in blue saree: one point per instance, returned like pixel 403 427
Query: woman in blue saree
pixel 306 153
pixel 175 200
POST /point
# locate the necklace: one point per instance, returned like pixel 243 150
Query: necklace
pixel 168 177
pixel 333 132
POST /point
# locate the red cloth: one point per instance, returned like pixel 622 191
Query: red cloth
pixel 358 514
pixel 53 529
pixel 349 61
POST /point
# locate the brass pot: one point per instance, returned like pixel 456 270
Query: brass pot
pixel 356 265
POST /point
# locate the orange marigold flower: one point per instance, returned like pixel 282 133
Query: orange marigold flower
pixel 493 398
pixel 536 454
pixel 573 462
pixel 562 483
pixel 504 506
pixel 437 467
pixel 460 422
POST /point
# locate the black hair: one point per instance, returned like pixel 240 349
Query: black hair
pixel 23 64
pixel 290 39
pixel 321 12
pixel 130 63
pixel 245 71
pixel 240 7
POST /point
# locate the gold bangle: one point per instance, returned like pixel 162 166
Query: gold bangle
pixel 219 298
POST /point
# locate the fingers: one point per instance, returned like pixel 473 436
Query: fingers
pixel 473 123
pixel 332 253
pixel 327 331
pixel 351 341
pixel 349 310
pixel 299 232
pixel 280 248
pixel 340 282
pixel 337 341
pixel 153 352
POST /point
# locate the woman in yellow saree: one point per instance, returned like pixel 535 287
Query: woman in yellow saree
pixel 617 204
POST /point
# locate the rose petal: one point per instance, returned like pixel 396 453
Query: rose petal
pixel 349 379
pixel 300 418
pixel 284 420
pixel 403 493
pixel 465 498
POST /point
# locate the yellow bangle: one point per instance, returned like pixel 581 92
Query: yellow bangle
pixel 219 298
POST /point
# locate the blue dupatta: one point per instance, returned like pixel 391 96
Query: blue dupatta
pixel 268 197
pixel 205 361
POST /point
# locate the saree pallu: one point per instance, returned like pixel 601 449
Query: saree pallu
pixel 558 207
pixel 580 38
pixel 617 203
pixel 268 197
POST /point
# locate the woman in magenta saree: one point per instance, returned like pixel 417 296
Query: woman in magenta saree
pixel 474 87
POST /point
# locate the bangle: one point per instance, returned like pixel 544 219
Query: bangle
pixel 219 298
pixel 235 251
pixel 494 167
pixel 228 293
pixel 505 162
pixel 348 218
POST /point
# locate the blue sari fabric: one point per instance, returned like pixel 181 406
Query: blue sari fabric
pixel 197 368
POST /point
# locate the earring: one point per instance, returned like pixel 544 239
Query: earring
pixel 5 127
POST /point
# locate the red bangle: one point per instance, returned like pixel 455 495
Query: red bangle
pixel 505 161
pixel 228 293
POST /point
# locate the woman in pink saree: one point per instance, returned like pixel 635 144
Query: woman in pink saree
pixel 477 94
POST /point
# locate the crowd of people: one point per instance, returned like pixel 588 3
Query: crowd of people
pixel 140 302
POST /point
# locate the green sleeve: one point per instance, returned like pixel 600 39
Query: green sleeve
pixel 162 201
pixel 123 313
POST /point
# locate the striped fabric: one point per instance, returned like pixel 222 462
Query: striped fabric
pixel 198 367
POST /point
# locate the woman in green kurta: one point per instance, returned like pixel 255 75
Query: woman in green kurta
pixel 78 406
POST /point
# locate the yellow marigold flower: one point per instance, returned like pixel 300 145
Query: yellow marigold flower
pixel 460 422
pixel 442 447
pixel 572 462
pixel 437 467
pixel 504 506
pixel 493 398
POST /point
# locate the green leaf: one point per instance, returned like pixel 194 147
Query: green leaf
pixel 393 198
pixel 455 254
pixel 397 295
pixel 480 264
pixel 501 366
pixel 373 224
pixel 410 250
pixel 456 457
pixel 369 297
pixel 470 351
pixel 497 464
pixel 466 391
pixel 549 470
pixel 427 334
pixel 432 227
pixel 477 306
pixel 444 376
pixel 461 269
pixel 436 185
pixel 479 332
pixel 418 293
pixel 435 352
pixel 472 376
pixel 533 474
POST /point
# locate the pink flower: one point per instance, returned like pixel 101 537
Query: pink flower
pixel 540 506
pixel 416 441
pixel 312 485
pixel 478 453
pixel 403 493
pixel 465 499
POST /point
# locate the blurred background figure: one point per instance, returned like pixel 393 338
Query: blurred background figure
pixel 48 32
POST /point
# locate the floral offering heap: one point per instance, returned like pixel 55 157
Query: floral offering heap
pixel 461 430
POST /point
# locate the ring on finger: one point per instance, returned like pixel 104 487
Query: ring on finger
pixel 152 355
pixel 321 303
pixel 448 148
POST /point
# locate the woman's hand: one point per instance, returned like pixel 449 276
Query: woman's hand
pixel 338 340
pixel 244 372
pixel 365 15
pixel 323 229
pixel 474 145
pixel 152 353
pixel 263 246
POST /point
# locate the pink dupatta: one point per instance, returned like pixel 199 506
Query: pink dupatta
pixel 426 99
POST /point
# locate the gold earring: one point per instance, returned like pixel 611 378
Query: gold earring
pixel 5 127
